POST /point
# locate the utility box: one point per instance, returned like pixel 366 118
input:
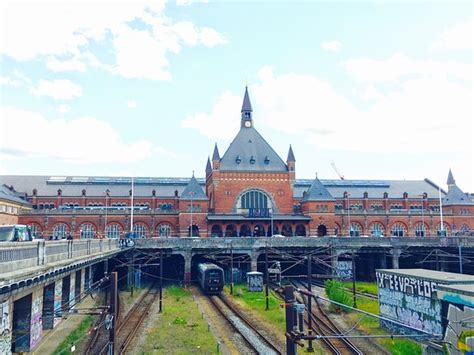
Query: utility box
pixel 255 281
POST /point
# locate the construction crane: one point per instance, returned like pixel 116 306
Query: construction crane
pixel 337 170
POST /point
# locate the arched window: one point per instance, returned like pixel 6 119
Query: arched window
pixel 322 230
pixel 376 229
pixel 254 199
pixel 300 230
pixel 60 230
pixel 420 229
pixel 113 230
pixel 230 231
pixel 356 230
pixel 216 231
pixel 35 229
pixel 259 231
pixel 87 231
pixel 442 232
pixel 195 231
pixel 140 230
pixel 399 230
pixel 245 230
pixel 286 230
pixel 164 230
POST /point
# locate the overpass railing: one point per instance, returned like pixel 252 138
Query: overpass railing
pixel 302 242
pixel 21 255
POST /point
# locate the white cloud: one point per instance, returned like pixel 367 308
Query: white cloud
pixel 400 66
pixel 64 108
pixel 190 2
pixel 5 80
pixel 67 33
pixel 83 140
pixel 421 114
pixel 331 46
pixel 57 89
pixel 131 104
pixel 458 37
pixel 221 122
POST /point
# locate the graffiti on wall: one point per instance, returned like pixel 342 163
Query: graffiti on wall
pixel 407 300
pixel 58 293
pixel 5 330
pixel 344 270
pixel 458 333
pixel 36 327
pixel 72 290
pixel 255 282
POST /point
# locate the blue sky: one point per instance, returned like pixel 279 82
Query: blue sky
pixel 384 89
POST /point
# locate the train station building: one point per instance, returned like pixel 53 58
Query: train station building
pixel 249 190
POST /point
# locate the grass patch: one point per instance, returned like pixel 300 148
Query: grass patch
pixel 65 346
pixel 365 287
pixel 256 301
pixel 402 346
pixel 180 328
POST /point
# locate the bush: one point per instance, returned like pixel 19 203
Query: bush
pixel 335 291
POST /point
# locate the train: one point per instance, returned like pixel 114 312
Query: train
pixel 211 278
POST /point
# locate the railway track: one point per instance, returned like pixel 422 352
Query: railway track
pixel 253 338
pixel 324 326
pixel 127 326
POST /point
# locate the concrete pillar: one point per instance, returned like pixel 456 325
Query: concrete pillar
pixel 383 261
pixel 72 289
pixel 6 314
pixel 187 268
pixel 78 285
pixel 254 261
pixel 83 280
pixel 395 258
pixel 58 294
pixel 36 323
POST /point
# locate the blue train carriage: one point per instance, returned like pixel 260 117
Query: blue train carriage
pixel 211 278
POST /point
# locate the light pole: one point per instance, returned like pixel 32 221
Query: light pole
pixel 105 224
pixel 441 212
pixel 423 214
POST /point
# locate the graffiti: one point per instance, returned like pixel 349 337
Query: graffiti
pixel 405 284
pixel 72 290
pixel 344 270
pixel 459 323
pixel 407 300
pixel 255 282
pixel 58 293
pixel 5 331
pixel 36 327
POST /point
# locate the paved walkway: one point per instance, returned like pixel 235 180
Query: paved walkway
pixel 52 338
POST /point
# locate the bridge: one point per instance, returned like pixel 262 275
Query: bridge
pixel 41 280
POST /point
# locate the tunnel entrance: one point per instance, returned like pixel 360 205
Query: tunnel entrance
pixel 21 324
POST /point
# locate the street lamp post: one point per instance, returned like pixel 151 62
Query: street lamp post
pixel 105 222
pixel 441 212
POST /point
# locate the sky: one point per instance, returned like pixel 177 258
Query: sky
pixel 384 89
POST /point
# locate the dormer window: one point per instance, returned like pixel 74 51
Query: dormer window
pixel 238 160
pixel 267 160
pixel 252 160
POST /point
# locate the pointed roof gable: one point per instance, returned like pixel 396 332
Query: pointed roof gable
pixel 246 105
pixel 215 155
pixel 208 165
pixel 451 180
pixel 317 192
pixel 249 151
pixel 193 191
pixel 455 196
pixel 291 156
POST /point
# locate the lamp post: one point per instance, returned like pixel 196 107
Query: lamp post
pixel 441 212
pixel 105 222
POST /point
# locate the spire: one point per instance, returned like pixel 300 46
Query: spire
pixel 246 110
pixel 208 165
pixel 215 155
pixel 451 180
pixel 291 156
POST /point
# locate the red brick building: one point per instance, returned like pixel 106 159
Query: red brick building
pixel 248 191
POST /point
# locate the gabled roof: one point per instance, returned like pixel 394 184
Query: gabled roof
pixel 291 156
pixel 11 196
pixel 455 196
pixel 193 191
pixel 317 192
pixel 249 151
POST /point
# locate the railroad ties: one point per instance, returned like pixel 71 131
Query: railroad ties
pixel 254 339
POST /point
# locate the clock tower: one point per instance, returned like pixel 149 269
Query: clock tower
pixel 246 111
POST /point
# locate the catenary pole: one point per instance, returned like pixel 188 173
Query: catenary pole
pixel 310 309
pixel 267 279
pixel 161 281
